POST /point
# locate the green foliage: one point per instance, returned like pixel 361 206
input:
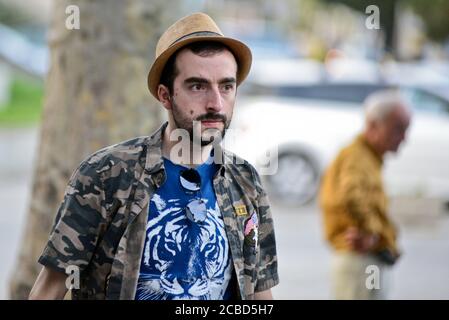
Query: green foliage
pixel 25 105
pixel 435 15
pixel 11 16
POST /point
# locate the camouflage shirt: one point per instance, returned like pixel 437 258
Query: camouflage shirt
pixel 100 225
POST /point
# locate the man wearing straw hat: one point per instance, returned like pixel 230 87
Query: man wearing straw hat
pixel 171 215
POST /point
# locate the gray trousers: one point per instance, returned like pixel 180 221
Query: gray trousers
pixel 359 277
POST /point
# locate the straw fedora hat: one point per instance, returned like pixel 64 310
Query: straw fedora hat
pixel 194 28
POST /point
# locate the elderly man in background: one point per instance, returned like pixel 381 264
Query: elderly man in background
pixel 354 202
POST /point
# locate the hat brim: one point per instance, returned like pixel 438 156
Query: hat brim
pixel 241 52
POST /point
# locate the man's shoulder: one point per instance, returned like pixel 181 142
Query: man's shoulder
pixel 352 151
pixel 237 162
pixel 242 169
pixel 355 157
pixel 129 153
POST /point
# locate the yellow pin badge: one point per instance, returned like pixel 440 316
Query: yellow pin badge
pixel 240 210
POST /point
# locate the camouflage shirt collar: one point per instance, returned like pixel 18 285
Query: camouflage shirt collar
pixel 154 160
pixel 155 163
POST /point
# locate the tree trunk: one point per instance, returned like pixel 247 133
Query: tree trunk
pixel 96 95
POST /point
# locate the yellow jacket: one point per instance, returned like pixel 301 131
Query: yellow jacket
pixel 352 194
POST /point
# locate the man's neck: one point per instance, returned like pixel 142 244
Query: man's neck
pixel 372 144
pixel 192 153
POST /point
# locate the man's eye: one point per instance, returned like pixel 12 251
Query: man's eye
pixel 228 87
pixel 197 87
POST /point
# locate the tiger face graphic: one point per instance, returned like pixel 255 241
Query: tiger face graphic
pixel 182 259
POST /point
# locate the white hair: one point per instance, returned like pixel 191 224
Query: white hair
pixel 380 104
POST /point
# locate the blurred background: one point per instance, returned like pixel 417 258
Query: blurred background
pixel 65 93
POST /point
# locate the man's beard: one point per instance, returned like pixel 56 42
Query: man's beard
pixel 182 122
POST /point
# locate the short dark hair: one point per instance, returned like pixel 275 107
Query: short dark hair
pixel 202 48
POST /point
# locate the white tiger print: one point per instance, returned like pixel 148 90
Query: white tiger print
pixel 193 259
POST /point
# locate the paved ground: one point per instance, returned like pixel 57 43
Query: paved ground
pixel 422 273
pixel 17 150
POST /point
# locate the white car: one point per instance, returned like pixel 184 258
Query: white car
pixel 293 134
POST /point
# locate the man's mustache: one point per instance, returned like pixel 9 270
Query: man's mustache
pixel 212 116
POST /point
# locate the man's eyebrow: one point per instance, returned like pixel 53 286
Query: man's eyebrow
pixel 203 80
pixel 228 80
pixel 196 80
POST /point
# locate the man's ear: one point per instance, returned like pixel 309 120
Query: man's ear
pixel 164 96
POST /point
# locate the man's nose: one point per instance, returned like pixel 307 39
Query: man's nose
pixel 214 100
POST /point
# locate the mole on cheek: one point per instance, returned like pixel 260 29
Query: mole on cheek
pixel 191 111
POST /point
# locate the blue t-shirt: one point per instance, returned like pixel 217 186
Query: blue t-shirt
pixel 183 259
